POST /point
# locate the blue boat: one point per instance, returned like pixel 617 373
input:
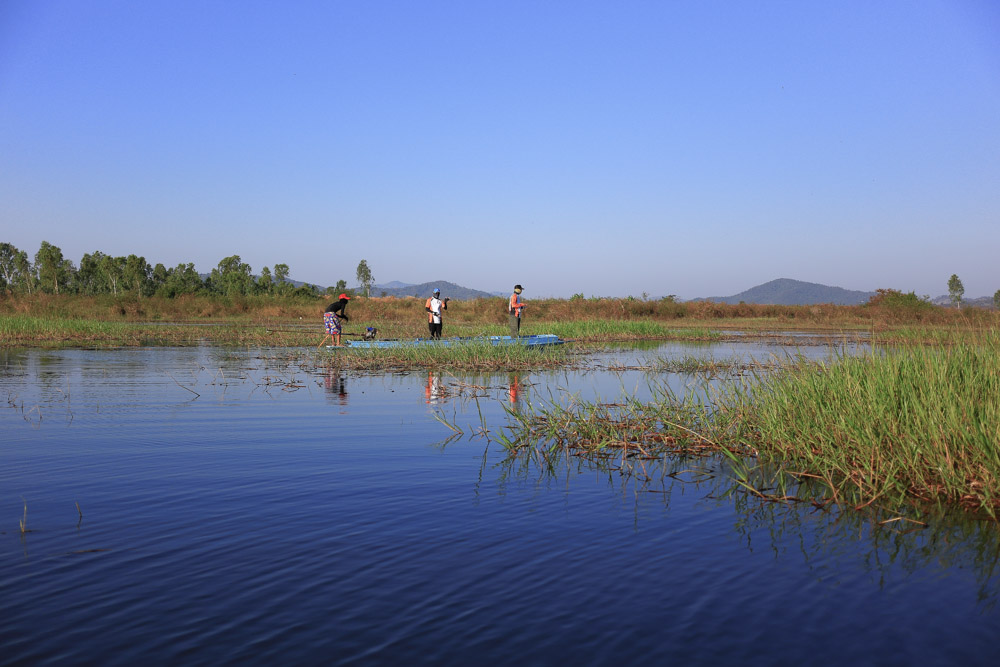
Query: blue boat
pixel 538 340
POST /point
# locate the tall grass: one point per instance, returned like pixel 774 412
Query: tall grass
pixel 915 423
pixel 409 311
pixel 909 426
pixel 594 329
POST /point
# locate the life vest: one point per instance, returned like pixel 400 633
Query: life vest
pixel 515 306
pixel 434 308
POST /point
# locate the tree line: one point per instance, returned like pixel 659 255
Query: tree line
pixel 100 273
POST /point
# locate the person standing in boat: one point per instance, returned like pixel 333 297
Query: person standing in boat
pixel 514 308
pixel 434 308
pixel 332 320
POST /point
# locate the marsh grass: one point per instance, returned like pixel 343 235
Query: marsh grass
pixel 49 320
pixel 913 423
pixel 912 426
pixel 622 330
pixel 711 367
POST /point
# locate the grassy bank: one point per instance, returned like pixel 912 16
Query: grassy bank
pixel 911 426
pixel 584 319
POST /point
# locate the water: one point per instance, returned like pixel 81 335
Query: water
pixel 246 507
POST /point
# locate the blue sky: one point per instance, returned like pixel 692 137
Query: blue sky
pixel 685 147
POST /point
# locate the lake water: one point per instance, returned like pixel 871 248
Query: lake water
pixel 204 506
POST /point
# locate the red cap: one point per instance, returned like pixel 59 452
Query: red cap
pixel 344 296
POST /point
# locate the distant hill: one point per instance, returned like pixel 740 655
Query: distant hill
pixel 450 290
pixel 977 302
pixel 788 292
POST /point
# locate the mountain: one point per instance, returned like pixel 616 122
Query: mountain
pixel 977 302
pixel 450 290
pixel 788 292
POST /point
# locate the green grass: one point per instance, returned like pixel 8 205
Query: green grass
pixel 623 330
pixel 55 332
pixel 912 423
pixel 914 426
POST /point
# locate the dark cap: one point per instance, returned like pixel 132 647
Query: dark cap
pixel 518 287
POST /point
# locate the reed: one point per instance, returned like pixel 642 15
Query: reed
pixel 603 330
pixel 909 426
pixel 408 312
pixel 912 423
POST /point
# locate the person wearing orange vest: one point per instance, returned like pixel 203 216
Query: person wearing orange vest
pixel 434 306
pixel 514 308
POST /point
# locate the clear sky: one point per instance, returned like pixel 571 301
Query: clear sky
pixel 613 148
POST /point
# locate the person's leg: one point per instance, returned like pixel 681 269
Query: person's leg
pixel 513 325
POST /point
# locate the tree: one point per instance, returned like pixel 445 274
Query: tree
pixel 232 277
pixel 15 268
pixel 25 272
pixel 340 287
pixel 137 275
pixel 996 299
pixel 89 278
pixel 182 279
pixel 264 283
pixel 282 286
pixel 54 271
pixel 159 277
pixel 364 277
pixel 955 290
pixel 111 270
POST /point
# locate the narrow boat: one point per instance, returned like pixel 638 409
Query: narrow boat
pixel 537 340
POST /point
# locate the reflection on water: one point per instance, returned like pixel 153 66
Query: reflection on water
pixel 201 506
pixel 883 545
pixel 335 384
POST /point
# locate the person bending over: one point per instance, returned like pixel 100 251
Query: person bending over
pixel 331 319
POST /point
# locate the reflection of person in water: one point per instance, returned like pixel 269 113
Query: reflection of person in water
pixel 433 391
pixel 336 384
pixel 515 389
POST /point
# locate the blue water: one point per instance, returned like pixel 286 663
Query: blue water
pixel 281 514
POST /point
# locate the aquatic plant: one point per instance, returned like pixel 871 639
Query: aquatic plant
pixel 909 426
pixel 905 424
pixel 23 523
pixel 474 357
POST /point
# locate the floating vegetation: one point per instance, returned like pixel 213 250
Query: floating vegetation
pixel 474 357
pixel 710 367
